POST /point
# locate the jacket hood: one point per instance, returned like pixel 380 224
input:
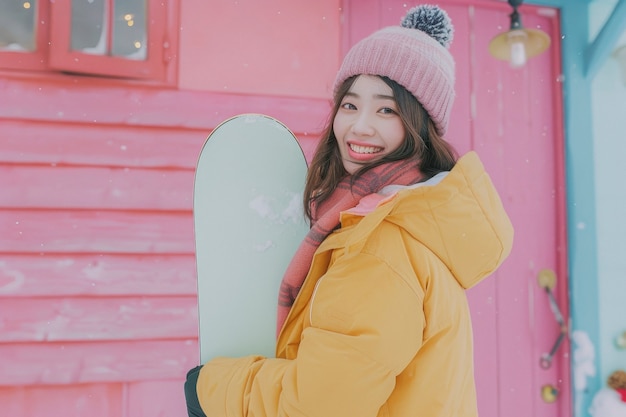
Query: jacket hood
pixel 458 216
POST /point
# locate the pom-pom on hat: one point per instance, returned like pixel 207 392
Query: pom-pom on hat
pixel 415 55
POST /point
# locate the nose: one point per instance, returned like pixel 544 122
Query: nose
pixel 362 125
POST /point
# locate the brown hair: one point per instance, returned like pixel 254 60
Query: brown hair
pixel 421 142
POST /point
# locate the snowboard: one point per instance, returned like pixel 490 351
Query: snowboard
pixel 248 223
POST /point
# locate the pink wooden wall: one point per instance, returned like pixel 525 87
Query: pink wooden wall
pixel 97 270
pixel 274 47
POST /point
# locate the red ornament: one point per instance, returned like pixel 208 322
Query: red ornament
pixel 622 393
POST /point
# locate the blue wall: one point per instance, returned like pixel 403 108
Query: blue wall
pixel 595 126
pixel 609 132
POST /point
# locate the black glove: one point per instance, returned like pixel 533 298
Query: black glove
pixel 191 395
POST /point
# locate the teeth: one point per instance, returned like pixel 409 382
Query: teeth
pixel 364 149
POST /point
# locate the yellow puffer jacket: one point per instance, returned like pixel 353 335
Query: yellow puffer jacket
pixel 381 326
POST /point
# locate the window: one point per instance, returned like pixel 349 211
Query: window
pixel 22 34
pixel 119 38
pixel 17 26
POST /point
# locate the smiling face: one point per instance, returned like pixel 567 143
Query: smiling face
pixel 367 125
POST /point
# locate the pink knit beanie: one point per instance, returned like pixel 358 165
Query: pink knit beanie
pixel 415 55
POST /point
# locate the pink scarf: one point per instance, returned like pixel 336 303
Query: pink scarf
pixel 326 219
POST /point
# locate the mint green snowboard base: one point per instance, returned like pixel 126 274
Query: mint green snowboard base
pixel 248 222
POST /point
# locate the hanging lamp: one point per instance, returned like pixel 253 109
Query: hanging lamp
pixel 518 44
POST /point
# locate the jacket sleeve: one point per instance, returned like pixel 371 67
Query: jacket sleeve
pixel 366 324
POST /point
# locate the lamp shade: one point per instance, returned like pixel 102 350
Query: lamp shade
pixel 535 42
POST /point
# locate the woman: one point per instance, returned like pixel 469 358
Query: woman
pixel 373 317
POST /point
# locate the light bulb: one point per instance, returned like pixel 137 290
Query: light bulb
pixel 517 46
pixel 518 54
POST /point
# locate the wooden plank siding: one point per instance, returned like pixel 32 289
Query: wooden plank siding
pixel 62 275
pixel 97 264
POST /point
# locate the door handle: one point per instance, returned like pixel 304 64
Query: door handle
pixel 547 281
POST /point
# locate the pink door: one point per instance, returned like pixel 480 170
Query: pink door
pixel 513 119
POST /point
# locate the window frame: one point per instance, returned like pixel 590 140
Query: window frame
pixel 53 54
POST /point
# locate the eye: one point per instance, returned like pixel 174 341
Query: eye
pixel 348 106
pixel 388 110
